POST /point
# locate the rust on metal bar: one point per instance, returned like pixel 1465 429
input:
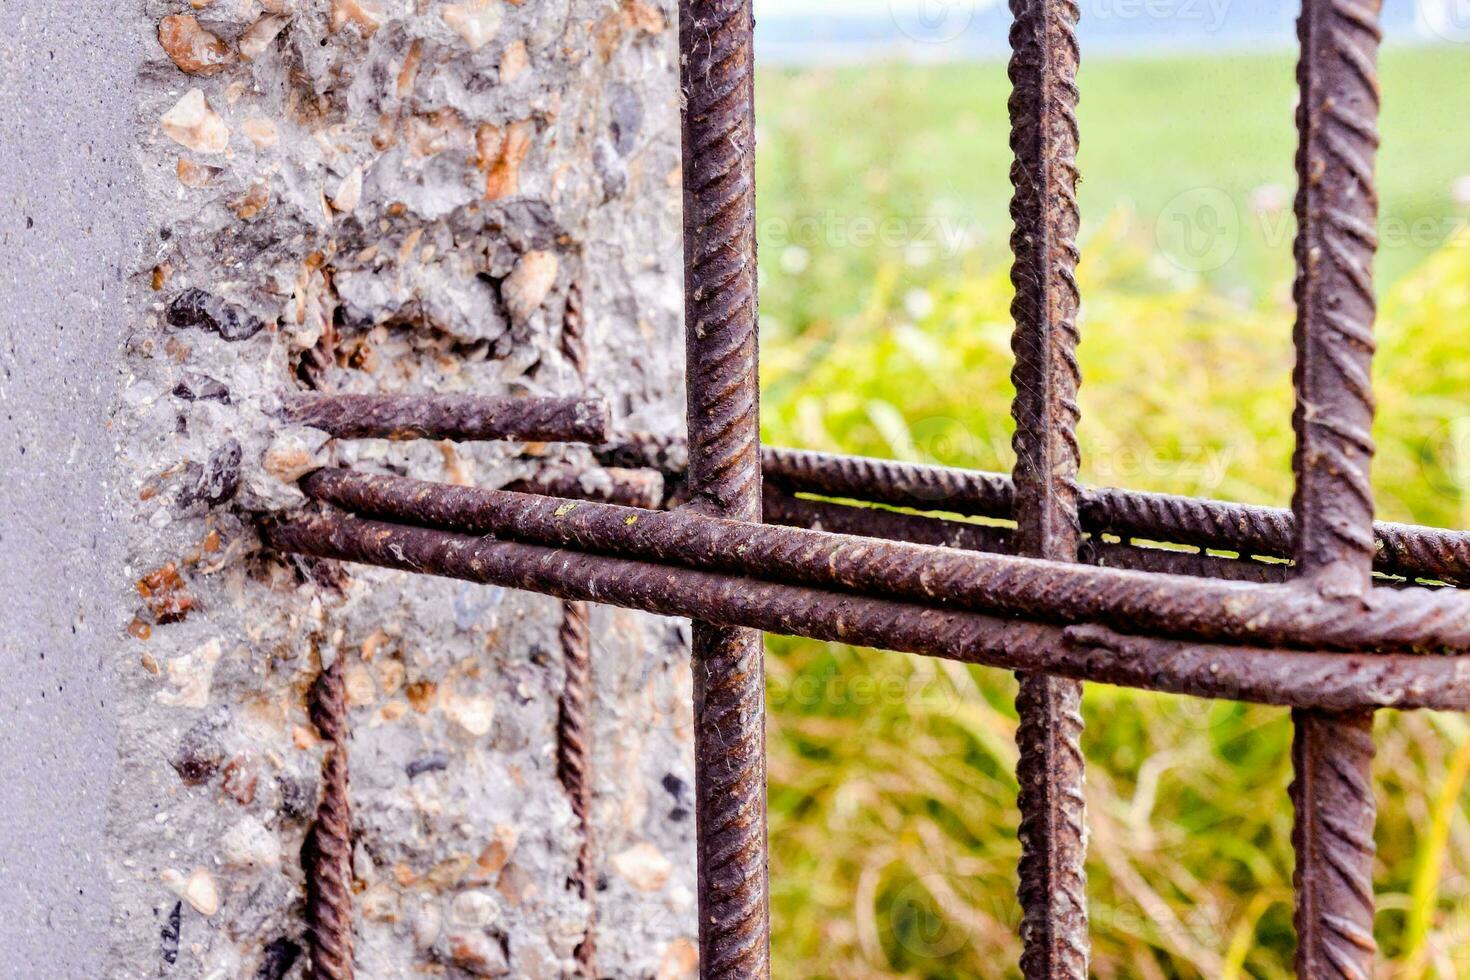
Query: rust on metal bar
pixel 1402 549
pixel 630 488
pixel 876 522
pixel 1334 681
pixel 1049 769
pixel 1296 614
pixel 1405 550
pixel 1337 212
pixel 717 78
pixel 327 853
pixel 573 761
pixel 461 418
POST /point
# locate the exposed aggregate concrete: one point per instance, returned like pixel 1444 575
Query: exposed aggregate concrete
pixel 388 195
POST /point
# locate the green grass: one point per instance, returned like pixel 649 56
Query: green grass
pixel 844 151
pixel 892 786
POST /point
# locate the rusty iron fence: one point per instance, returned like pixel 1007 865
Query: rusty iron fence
pixel 1318 608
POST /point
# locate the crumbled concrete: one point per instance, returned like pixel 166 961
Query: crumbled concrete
pixel 357 195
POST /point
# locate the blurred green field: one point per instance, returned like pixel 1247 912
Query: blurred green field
pixel 885 296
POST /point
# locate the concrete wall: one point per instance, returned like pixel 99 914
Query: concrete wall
pixel 70 222
pixel 207 205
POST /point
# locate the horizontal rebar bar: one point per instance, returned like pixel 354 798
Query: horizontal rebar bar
pixel 1407 550
pixel 1333 681
pixel 611 485
pixel 461 418
pixel 876 522
pixel 1297 614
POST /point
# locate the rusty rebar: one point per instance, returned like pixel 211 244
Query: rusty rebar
pixel 717 78
pixel 877 522
pixel 1333 681
pixel 1407 550
pixel 573 762
pixel 462 418
pixel 1337 213
pixel 609 485
pixel 574 332
pixel 1296 614
pixel 1049 768
pixel 327 853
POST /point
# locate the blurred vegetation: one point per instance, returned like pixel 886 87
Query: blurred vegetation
pixel 893 821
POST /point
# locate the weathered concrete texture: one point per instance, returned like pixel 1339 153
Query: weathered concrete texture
pixel 238 198
pixel 67 214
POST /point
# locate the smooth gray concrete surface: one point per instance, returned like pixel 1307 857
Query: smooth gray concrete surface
pixel 67 219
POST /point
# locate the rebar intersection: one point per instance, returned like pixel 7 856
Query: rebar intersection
pixel 1318 608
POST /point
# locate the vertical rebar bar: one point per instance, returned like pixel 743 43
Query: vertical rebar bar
pixel 574 710
pixel 1053 832
pixel 573 763
pixel 718 82
pixel 1336 209
pixel 327 854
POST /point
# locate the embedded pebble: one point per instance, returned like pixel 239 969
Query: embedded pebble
pixel 427 923
pixel 201 892
pixel 262 132
pixel 474 909
pixel 680 960
pixel 191 676
pixel 253 201
pixel 513 62
pixel 525 289
pixel 195 175
pixel 193 49
pixel 349 192
pixel 259 35
pixel 367 15
pixel 643 866
pixel 193 124
pixel 291 455
pixel 474 714
pixel 250 844
pixel 477 21
pixel 194 308
pixel 477 953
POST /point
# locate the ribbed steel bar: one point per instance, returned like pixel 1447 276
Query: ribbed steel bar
pixel 573 761
pixel 1335 681
pixel 630 488
pixel 1049 768
pixel 1337 212
pixel 327 855
pixel 1296 614
pixel 1108 554
pixel 1407 550
pixel 717 77
pixel 875 522
pixel 462 418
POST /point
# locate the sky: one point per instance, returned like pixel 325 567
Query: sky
pixel 800 31
pixel 863 8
